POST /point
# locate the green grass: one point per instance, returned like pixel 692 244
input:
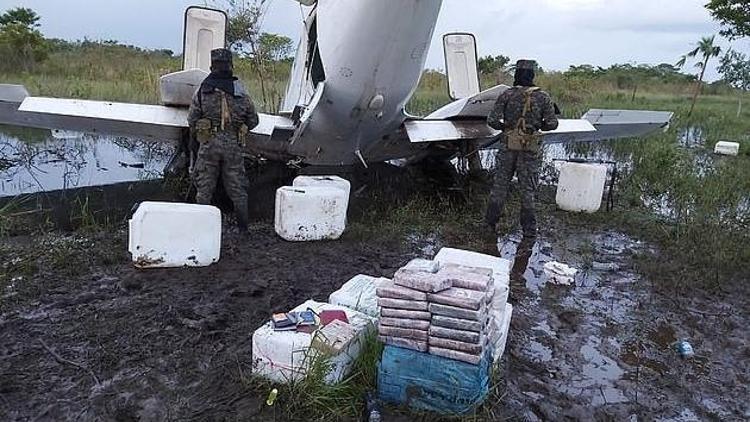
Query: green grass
pixel 311 399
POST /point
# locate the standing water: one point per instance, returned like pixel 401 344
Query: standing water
pixel 35 161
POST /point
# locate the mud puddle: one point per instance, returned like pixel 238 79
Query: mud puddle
pixel 603 349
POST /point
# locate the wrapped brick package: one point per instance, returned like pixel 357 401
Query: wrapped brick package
pixel 460 298
pixel 400 313
pixel 422 266
pixel 454 355
pixel 459 346
pixel 457 335
pixel 454 312
pixel 405 323
pixel 472 278
pixel 419 346
pixel 407 305
pixel 410 334
pixel 457 324
pixel 422 281
pixel 391 291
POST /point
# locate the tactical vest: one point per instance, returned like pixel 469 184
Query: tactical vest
pixel 206 129
pixel 518 138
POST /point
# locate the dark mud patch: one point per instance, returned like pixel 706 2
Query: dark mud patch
pixel 125 344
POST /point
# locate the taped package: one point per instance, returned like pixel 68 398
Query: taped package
pixel 461 313
pixel 418 335
pixel 405 323
pixel 419 346
pixel 407 305
pixel 460 298
pixel 400 313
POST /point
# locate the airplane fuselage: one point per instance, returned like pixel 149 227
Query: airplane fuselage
pixel 358 65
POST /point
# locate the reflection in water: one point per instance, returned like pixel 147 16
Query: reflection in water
pixel 34 161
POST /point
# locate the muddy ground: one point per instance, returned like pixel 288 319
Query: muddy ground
pixel 85 336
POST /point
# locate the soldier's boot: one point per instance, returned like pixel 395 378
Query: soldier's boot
pixel 528 224
pixel 492 215
pixel 243 218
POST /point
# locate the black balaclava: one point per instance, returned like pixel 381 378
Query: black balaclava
pixel 525 72
pixel 222 72
pixel 524 77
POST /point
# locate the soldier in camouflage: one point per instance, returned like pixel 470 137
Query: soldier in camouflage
pixel 521 113
pixel 220 117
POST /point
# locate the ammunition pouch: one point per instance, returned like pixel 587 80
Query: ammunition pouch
pixel 521 141
pixel 203 131
pixel 242 135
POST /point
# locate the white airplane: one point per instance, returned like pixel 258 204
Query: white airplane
pixel 358 64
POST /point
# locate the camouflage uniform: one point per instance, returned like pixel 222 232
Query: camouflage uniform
pixel 220 123
pixel 505 116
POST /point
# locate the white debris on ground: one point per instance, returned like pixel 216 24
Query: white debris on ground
pixel 560 273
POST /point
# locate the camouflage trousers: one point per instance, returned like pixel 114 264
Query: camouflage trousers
pixel 526 166
pixel 221 158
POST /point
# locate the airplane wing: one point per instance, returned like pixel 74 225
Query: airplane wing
pixel 138 120
pixel 465 119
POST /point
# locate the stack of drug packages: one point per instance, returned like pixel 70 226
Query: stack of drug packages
pixel 442 311
pixel 440 360
pixel 460 322
pixel 404 309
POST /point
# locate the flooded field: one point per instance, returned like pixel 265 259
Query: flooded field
pixel 40 161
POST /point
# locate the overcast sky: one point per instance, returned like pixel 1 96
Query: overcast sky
pixel 558 33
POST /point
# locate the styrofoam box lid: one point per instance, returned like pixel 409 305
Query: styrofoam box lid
pixel 500 267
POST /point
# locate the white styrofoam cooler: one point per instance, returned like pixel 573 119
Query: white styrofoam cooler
pixel 158 237
pixel 581 187
pixel 499 330
pixel 727 148
pixel 285 356
pixel 359 294
pixel 311 213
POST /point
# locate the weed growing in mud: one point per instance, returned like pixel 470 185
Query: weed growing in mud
pixel 311 399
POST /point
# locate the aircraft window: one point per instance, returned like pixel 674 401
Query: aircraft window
pixel 317 72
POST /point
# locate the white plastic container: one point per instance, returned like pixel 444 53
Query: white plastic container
pixel 177 89
pixel 360 294
pixel 285 356
pixel 159 236
pixel 727 148
pixel 326 181
pixel 581 187
pixel 310 213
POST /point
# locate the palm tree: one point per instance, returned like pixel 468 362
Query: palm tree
pixel 706 50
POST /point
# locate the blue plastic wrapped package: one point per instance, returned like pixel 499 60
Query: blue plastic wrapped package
pixel 430 383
